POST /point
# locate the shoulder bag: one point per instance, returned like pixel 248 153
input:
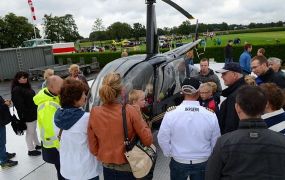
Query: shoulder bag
pixel 141 158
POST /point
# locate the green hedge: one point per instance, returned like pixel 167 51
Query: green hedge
pixel 212 52
pixel 270 51
pixel 254 30
pixel 102 57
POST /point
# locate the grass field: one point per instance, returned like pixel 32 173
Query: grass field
pixel 253 38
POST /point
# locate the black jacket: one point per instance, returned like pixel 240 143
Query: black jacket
pixel 271 77
pixel 229 51
pixel 4 111
pixel 228 120
pixel 251 152
pixel 22 98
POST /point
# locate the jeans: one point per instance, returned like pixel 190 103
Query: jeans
pixel 228 60
pixel 111 174
pixel 179 171
pixel 3 156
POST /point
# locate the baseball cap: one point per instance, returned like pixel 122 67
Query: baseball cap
pixel 235 67
pixel 190 85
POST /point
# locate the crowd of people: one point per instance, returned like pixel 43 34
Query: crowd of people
pixel 241 137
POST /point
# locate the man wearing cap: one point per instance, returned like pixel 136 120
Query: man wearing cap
pixel 233 78
pixel 188 134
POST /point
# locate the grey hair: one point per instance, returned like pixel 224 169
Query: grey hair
pixel 275 60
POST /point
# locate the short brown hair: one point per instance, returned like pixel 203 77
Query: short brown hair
pixel 260 59
pixel 274 94
pixel 204 60
pixel 247 46
pixel 252 100
pixel 71 91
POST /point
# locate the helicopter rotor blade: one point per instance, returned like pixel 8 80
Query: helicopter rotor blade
pixel 178 8
pixel 180 51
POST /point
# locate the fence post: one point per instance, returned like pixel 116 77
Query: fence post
pixel 81 60
pixel 69 61
pixel 60 61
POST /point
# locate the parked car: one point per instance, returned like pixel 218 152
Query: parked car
pixel 98 49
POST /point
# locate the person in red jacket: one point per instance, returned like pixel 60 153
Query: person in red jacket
pixel 206 97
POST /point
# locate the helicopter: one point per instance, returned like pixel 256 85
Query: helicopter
pixel 159 75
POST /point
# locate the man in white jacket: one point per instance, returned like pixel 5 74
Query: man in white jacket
pixel 188 134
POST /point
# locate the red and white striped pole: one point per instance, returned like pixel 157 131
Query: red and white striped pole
pixel 33 15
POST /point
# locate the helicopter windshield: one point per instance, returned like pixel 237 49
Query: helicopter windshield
pixel 94 91
pixel 123 67
pixel 139 77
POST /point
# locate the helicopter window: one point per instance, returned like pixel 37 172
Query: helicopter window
pixel 140 77
pixel 168 82
pixel 94 91
pixel 170 78
pixel 168 87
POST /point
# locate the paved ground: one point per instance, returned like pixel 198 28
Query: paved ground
pixel 34 168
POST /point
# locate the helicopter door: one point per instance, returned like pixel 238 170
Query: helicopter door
pixel 170 77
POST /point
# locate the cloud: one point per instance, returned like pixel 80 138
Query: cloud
pixel 131 11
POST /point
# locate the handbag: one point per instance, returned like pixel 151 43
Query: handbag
pixel 18 126
pixel 141 158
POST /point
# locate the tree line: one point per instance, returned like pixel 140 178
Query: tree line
pixel 16 29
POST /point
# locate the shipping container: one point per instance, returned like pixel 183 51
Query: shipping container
pixel 13 60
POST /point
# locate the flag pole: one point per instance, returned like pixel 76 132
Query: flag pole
pixel 33 16
pixel 35 31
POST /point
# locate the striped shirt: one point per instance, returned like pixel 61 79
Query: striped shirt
pixel 275 120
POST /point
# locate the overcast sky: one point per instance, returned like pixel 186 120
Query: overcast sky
pixel 132 11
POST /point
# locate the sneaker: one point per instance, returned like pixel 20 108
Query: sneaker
pixel 9 163
pixel 10 155
pixel 34 153
pixel 38 147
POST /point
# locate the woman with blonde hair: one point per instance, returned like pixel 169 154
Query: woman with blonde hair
pixel 106 134
pixel 47 73
pixel 74 72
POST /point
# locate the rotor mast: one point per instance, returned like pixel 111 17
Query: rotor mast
pixel 151 30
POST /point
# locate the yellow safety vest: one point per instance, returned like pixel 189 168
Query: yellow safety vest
pixel 47 106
